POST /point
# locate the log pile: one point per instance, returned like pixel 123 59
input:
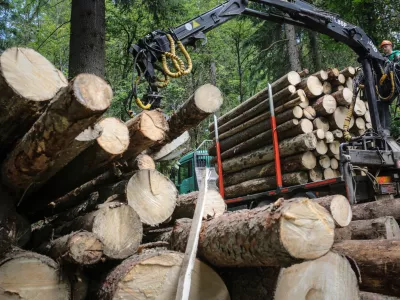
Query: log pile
pixel 310 113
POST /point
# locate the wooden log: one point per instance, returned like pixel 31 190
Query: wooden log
pixel 315 174
pixel 250 283
pixel 378 262
pixel 367 117
pixel 348 72
pixel 287 147
pixel 214 206
pixel 117 226
pixel 334 148
pixel 28 82
pixel 295 113
pixel 312 86
pixel 333 73
pixel 328 277
pixel 324 161
pixel 40 152
pixel 327 88
pixel 340 80
pixel 83 248
pixel 321 123
pixel 383 228
pixel 241 127
pixel 303 97
pixel 319 134
pixel 360 123
pixel 349 83
pixel 374 296
pixel 368 125
pixel 143 162
pixel 206 100
pixel 156 274
pixel 343 97
pixel 147 129
pixel 152 195
pixel 337 133
pixel 257 141
pixel 269 242
pixel 79 283
pixel 292 78
pixel 336 121
pixel 325 105
pixel 321 148
pixel 28 275
pixel 329 173
pixel 309 113
pixel 304 72
pixel 303 161
pixel 321 75
pixel 339 207
pixel 329 137
pixel 264 184
pixel 283 95
pixel 171 147
pixel 110 145
pixel 359 108
pixel 334 163
pixel 304 126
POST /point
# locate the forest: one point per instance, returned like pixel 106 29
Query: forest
pixel 240 57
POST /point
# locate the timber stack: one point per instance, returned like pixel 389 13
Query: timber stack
pixel 310 113
pixel 84 214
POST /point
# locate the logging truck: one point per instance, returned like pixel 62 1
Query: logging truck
pixel 378 80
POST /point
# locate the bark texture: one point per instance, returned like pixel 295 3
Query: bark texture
pixel 377 209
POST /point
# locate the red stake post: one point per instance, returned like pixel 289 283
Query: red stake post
pixel 219 161
pixel 275 139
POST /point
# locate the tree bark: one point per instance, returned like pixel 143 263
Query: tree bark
pixel 117 225
pixel 82 248
pixel 294 58
pixel 186 204
pixel 339 80
pixel 304 72
pixel 87 41
pixel 343 97
pixel 333 73
pixel 374 296
pixel 316 57
pixel 264 184
pixel 378 262
pixel 41 151
pixel 157 274
pixel 322 75
pixel 377 209
pixel 292 78
pixel 384 228
pixel 349 72
pixel 328 277
pixel 263 236
pixel 23 275
pixel 312 86
pixel 325 105
pixel 327 87
pixel 287 147
pixel 299 162
pixel 28 82
pixel 339 207
pixel 284 95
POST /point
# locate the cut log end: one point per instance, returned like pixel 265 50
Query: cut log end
pixel 114 138
pixel 143 162
pixel 152 195
pixel 319 232
pixel 92 92
pixel 85 248
pixel 208 98
pixel 339 207
pixel 30 74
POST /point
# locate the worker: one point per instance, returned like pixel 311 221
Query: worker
pixel 390 54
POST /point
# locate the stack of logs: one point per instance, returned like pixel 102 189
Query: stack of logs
pixel 310 114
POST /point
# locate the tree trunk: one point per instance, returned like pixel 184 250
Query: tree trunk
pixel 309 112
pixel 186 204
pixel 264 184
pixel 333 73
pixel 349 72
pixel 284 95
pixel 377 209
pixel 314 47
pixel 143 162
pixel 384 228
pixel 322 75
pixel 343 97
pixel 321 123
pixel 155 275
pixel 112 142
pixel 328 277
pixel 340 80
pixel 152 195
pixel 87 41
pixel 339 207
pixel 292 78
pixel 304 73
pixel 117 225
pixel 287 147
pixel 374 296
pixel 312 86
pixel 304 126
pixel 294 58
pixel 315 174
pixel 171 147
pixel 41 150
pixel 336 120
pixel 82 248
pixel 263 236
pixel 299 162
pixel 325 105
pixel 28 275
pixel 28 82
pixel 378 262
pixel 294 113
pixel 250 283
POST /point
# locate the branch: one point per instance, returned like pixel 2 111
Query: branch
pixel 270 46
pixel 52 34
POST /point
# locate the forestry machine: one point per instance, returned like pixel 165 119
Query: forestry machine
pixel 379 79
